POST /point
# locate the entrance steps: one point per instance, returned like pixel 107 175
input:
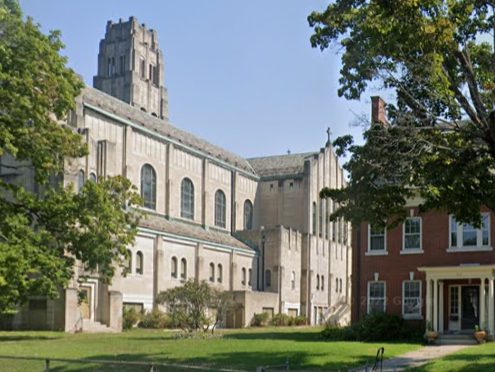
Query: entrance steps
pixel 89 326
pixel 456 339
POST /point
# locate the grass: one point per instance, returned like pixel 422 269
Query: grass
pixel 472 359
pixel 237 349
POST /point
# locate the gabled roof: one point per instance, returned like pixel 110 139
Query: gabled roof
pixel 280 165
pixel 127 112
pixel 189 231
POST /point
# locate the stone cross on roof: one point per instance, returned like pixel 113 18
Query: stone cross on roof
pixel 329 132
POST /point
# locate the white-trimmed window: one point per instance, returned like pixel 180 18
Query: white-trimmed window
pixel 411 299
pixel 377 239
pixel 412 234
pixel 465 236
pixel 376 296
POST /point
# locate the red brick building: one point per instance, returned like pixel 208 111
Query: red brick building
pixel 428 269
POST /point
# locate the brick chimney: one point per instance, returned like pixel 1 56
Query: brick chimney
pixel 378 113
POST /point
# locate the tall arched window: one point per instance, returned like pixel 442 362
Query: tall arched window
pixel 128 262
pixel 322 283
pixel 336 285
pixel 268 278
pixel 248 215
pixel 187 199
pixel 219 273
pixel 139 262
pixel 320 220
pixel 220 209
pixel 183 269
pixel 92 177
pixel 314 218
pixel 173 269
pixel 293 280
pixel 80 180
pixel 317 282
pixel 250 276
pixel 340 284
pixel 212 272
pixel 148 186
pixel 327 219
pixel 243 278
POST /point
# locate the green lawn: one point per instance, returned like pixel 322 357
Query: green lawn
pixel 473 359
pixel 238 349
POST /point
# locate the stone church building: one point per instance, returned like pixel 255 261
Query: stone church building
pixel 255 227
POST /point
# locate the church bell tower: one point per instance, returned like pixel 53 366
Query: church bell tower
pixel 130 67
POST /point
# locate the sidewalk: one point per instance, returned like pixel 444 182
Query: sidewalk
pixel 419 357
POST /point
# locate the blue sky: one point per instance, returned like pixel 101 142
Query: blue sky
pixel 240 74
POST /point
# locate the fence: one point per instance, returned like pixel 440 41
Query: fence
pixel 31 364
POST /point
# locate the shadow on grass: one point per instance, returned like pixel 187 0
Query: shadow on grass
pixel 239 360
pixel 460 362
pixel 288 336
pixel 14 337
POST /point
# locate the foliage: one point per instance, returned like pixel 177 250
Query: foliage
pixel 130 318
pixel 189 305
pixel 439 143
pixel 155 319
pixel 281 320
pixel 260 320
pixel 300 320
pixel 44 226
pixel 375 327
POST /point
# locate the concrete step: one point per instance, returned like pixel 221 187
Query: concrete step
pixel 456 339
pixel 95 327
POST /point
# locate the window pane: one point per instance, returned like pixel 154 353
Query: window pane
pixel 485 230
pixel 248 215
pixel 469 235
pixel 220 209
pixel 453 232
pixel 376 300
pixel 377 243
pixel 187 199
pixel 148 186
pixel 412 298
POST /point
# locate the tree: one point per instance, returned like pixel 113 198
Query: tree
pixel 188 305
pixel 439 143
pixel 44 229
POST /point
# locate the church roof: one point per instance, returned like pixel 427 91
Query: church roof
pixel 280 165
pixel 127 112
pixel 189 231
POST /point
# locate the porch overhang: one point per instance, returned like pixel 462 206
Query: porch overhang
pixel 435 279
pixel 470 271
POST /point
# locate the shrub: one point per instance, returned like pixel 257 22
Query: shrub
pixel 375 327
pixel 280 320
pixel 379 326
pixel 259 320
pixel 130 318
pixel 155 319
pixel 300 320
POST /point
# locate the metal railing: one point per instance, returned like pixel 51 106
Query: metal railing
pixel 33 364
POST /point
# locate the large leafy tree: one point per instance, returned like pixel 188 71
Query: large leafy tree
pixel 436 56
pixel 44 226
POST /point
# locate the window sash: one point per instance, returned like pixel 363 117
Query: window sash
pixel 412 233
pixel 466 235
pixel 411 298
pixel 376 238
pixel 376 296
